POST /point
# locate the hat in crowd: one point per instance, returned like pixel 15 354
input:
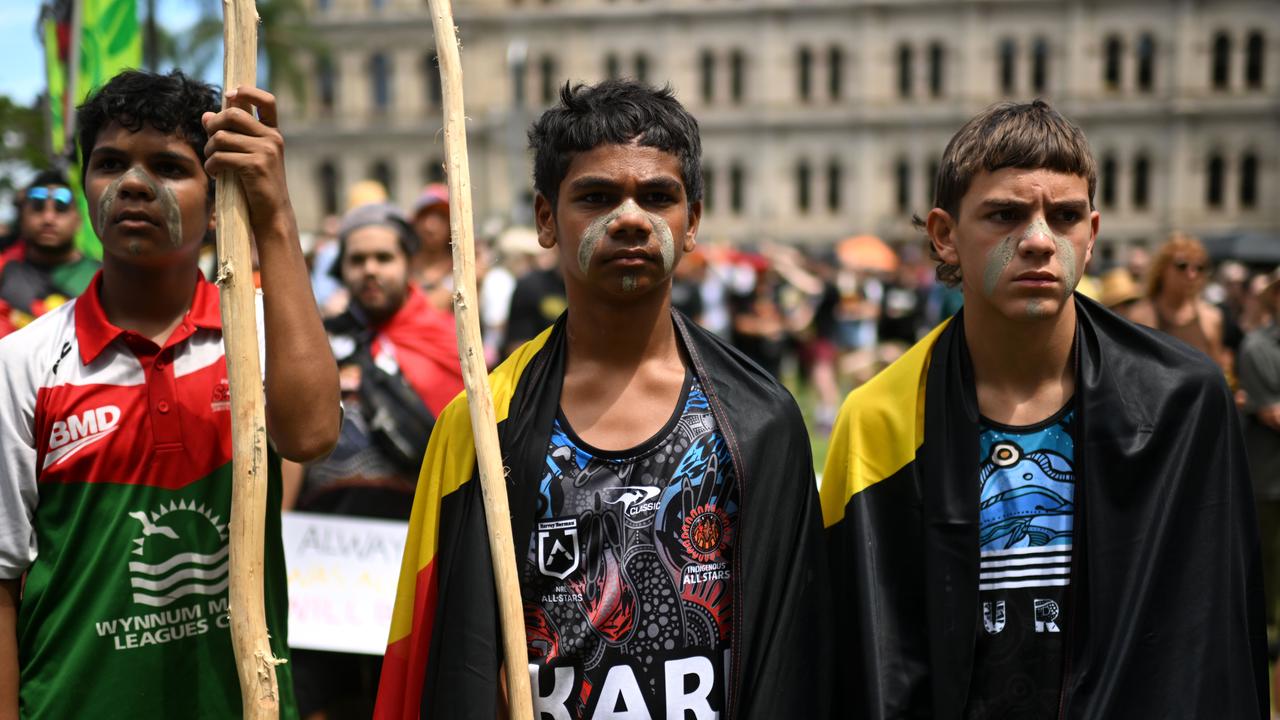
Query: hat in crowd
pixel 382 214
pixel 1118 288
pixel 433 195
pixel 365 192
pixel 518 240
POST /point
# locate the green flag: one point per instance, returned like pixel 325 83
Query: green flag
pixel 109 42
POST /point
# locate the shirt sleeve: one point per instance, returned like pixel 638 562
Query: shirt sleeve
pixel 1259 372
pixel 18 492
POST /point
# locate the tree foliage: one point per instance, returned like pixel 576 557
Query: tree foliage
pixel 23 144
pixel 284 35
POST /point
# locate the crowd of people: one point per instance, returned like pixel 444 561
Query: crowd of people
pixel 1038 464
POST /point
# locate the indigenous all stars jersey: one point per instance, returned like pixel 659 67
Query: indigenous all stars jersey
pixel 115 492
pixel 627 584
pixel 1026 520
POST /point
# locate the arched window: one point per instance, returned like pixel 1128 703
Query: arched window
pixel 642 67
pixel 904 185
pixel 708 64
pixel 1249 180
pixel 548 79
pixel 737 76
pixel 1108 181
pixel 1146 62
pixel 737 188
pixel 708 187
pixel 804 73
pixel 930 178
pixel 1254 56
pixel 1039 65
pixel 326 83
pixel 519 68
pixel 1141 182
pixel 381 171
pixel 431 74
pixel 906 72
pixel 328 173
pixel 804 177
pixel 1216 175
pixel 835 76
pixel 1008 66
pixel 1113 48
pixel 612 66
pixel 1221 65
pixel 380 81
pixel 937 68
pixel 835 185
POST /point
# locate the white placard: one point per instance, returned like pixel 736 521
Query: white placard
pixel 342 580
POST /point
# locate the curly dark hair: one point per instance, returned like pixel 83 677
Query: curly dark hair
pixel 170 103
pixel 614 112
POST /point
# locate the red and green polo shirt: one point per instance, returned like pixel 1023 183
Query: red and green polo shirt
pixel 115 494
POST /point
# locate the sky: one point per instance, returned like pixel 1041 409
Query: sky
pixel 22 72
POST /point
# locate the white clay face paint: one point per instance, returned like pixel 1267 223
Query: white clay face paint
pixel 595 232
pixel 1003 253
pixel 168 202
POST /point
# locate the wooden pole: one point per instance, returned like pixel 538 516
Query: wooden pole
pixel 474 373
pixel 254 662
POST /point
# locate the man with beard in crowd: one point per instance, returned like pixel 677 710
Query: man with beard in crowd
pixel 43 269
pixel 398 368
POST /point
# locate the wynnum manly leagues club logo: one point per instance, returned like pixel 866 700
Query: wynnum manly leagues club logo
pixel 181 550
pixel 705 533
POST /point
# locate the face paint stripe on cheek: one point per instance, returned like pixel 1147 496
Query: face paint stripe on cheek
pixel 997 260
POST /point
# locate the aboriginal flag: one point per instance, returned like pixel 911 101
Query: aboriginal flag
pixel 1165 595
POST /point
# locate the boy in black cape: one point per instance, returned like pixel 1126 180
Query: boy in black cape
pixel 1041 510
pixel 664 510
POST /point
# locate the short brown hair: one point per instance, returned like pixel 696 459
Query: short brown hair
pixel 1007 135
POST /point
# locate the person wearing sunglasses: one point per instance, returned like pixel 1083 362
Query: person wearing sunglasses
pixel 1173 302
pixel 43 268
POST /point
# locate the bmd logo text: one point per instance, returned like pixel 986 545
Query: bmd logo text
pixel 77 432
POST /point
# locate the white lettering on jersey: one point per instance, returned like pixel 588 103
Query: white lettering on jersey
pixel 621 683
pixel 696 701
pixel 80 431
pixel 553 704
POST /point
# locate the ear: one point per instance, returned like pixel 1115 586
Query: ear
pixel 691 233
pixel 1095 221
pixel 544 216
pixel 942 235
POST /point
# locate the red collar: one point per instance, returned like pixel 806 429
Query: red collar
pixel 94 332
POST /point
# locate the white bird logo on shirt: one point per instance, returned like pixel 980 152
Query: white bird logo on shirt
pixel 148 528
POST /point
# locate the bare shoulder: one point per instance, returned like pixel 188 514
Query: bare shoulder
pixel 1143 313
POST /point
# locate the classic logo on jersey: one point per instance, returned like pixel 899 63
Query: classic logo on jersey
pixel 182 550
pixel 558 554
pixel 634 500
pixel 705 533
pixel 78 432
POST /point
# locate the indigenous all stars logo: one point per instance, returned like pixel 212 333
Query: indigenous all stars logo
pixel 705 533
pixel 182 551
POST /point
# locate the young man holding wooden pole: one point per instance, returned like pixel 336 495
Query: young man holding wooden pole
pixel 115 438
pixel 662 498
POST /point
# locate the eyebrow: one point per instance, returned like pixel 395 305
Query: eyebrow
pixel 661 182
pixel 169 155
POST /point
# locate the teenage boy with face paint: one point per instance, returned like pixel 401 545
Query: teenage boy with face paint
pixel 663 503
pixel 115 432
pixel 1041 510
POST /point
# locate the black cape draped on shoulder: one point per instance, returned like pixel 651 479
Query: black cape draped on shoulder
pixel 1165 602
pixel 443 657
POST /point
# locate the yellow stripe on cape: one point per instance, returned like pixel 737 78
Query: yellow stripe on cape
pixel 879 429
pixel 448 464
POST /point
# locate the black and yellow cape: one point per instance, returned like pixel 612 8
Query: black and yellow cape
pixel 443 655
pixel 1165 604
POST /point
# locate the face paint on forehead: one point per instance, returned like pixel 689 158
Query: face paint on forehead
pixel 595 232
pixel 170 212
